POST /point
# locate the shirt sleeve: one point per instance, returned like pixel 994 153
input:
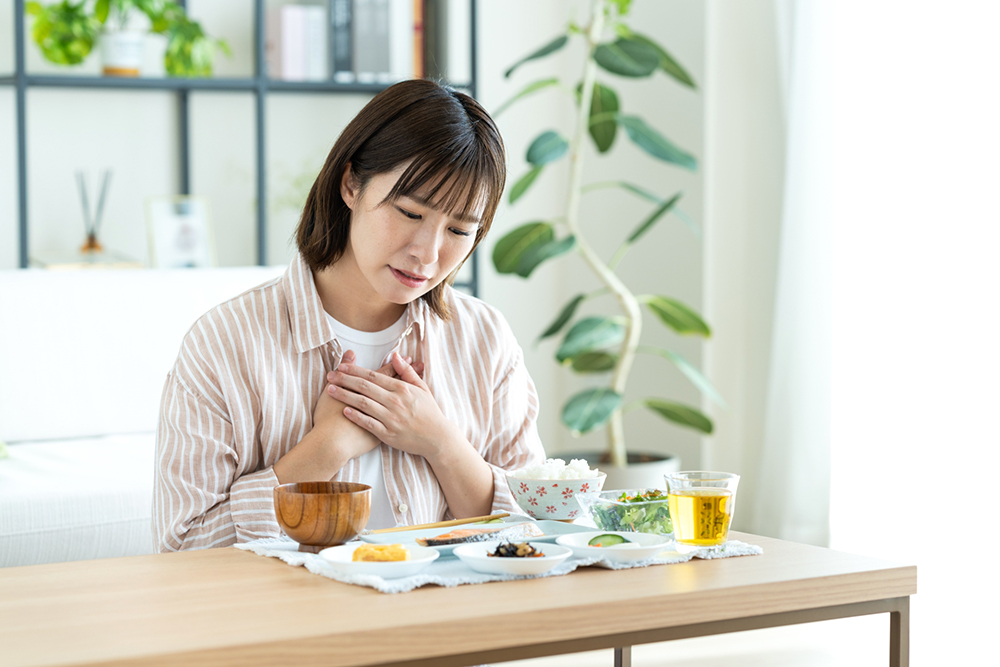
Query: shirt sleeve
pixel 200 500
pixel 513 439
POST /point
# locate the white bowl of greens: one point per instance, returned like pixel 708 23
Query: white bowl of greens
pixel 632 510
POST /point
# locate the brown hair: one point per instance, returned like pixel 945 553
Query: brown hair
pixel 453 148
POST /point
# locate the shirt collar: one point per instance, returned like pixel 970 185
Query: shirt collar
pixel 311 328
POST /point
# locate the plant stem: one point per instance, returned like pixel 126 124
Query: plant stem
pixel 628 303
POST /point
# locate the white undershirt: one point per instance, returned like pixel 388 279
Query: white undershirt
pixel 370 349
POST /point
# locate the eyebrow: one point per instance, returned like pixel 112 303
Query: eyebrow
pixel 423 201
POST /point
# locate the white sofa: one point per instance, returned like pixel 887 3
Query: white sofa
pixel 83 358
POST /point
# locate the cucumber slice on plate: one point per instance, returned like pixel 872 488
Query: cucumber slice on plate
pixel 606 541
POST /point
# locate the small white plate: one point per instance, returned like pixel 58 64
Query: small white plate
pixel 640 546
pixel 552 530
pixel 475 556
pixel 340 558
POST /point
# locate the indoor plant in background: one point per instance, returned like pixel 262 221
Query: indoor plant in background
pixel 67 31
pixel 596 344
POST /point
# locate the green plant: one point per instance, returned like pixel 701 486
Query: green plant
pixel 602 344
pixel 66 32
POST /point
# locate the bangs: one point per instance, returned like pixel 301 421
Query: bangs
pixel 464 185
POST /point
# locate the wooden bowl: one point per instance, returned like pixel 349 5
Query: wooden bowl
pixel 322 514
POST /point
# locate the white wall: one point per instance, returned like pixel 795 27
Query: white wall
pixel 135 133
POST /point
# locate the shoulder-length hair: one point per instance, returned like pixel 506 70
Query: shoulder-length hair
pixel 455 155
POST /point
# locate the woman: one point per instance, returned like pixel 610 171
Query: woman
pixel 361 363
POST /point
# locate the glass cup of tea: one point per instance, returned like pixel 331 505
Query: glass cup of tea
pixel 701 506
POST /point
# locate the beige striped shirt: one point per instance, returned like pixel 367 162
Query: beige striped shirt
pixel 249 373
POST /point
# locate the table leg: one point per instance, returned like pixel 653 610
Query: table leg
pixel 623 656
pixel 899 635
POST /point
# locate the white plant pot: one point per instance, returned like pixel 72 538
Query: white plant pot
pixel 642 471
pixel 122 53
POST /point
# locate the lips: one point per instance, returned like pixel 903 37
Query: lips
pixel 408 279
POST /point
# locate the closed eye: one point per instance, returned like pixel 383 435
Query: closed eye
pixel 459 232
pixel 411 216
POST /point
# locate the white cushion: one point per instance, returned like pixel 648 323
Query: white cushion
pixel 85 353
pixel 76 499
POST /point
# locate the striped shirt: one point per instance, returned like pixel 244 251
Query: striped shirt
pixel 249 373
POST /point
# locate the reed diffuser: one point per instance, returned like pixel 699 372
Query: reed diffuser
pixel 93 223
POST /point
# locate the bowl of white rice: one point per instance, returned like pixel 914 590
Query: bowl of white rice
pixel 548 490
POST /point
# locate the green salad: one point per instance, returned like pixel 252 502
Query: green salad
pixel 644 512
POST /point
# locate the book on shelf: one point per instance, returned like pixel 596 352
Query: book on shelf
pixel 341 19
pixel 297 43
pixel 368 41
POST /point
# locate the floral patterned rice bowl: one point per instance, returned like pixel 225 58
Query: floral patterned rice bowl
pixel 553 498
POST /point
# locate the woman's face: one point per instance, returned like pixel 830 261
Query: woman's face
pixel 404 248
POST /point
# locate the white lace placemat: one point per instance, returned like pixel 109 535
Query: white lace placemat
pixel 450 572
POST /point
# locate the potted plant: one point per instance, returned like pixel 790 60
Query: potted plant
pixel 67 31
pixel 607 344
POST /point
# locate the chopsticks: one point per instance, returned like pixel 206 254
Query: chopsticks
pixel 441 524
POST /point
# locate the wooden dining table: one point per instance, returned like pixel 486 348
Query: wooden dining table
pixel 231 607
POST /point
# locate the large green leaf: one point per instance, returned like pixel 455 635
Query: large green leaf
pixel 527 90
pixel 523 184
pixel 593 362
pixel 667 63
pixel 692 373
pixel 536 254
pixel 677 315
pixel 590 409
pixel 653 217
pixel 546 147
pixel 512 247
pixel 589 334
pixel 551 47
pixel 603 117
pixel 626 57
pixel 654 143
pixel 564 316
pixel 680 414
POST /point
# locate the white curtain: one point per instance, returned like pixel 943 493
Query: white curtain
pixel 767 260
pixel 793 499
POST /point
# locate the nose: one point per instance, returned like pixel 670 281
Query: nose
pixel 425 244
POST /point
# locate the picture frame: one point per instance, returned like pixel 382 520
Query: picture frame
pixel 180 233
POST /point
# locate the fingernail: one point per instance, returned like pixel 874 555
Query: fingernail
pixel 332 388
pixel 407 359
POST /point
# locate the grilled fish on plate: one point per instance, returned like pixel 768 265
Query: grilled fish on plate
pixel 518 531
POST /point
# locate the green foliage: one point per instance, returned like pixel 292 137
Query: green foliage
pixel 601 344
pixel 603 117
pixel 588 335
pixel 590 409
pixel 66 32
pixel 564 316
pixel 684 415
pixel 676 315
pixel 627 57
pixel 549 48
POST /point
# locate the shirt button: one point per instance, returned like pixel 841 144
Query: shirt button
pixel 402 508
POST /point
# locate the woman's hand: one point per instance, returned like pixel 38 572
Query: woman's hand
pixel 333 441
pixel 401 412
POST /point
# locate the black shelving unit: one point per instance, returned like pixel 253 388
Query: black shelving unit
pixel 260 85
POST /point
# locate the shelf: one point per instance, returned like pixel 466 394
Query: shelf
pixel 258 86
pixel 209 84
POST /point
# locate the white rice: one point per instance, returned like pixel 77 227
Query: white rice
pixel 557 469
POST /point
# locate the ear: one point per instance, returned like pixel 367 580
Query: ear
pixel 348 187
